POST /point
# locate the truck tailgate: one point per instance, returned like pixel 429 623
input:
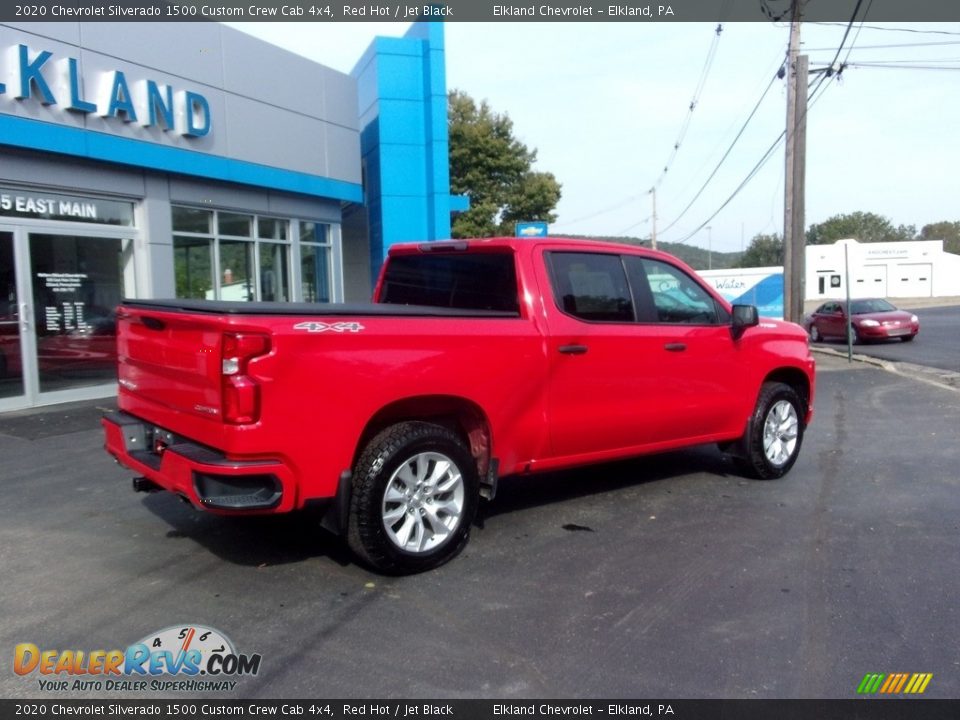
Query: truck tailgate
pixel 172 359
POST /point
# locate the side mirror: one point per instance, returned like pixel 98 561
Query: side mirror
pixel 744 316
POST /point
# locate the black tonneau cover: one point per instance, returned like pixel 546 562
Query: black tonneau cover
pixel 228 307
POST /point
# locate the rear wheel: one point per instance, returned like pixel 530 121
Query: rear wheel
pixel 415 494
pixel 815 334
pixel 774 433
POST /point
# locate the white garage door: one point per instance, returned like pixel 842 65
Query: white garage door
pixel 870 281
pixel 914 280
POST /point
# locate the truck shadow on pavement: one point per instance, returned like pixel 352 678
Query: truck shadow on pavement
pixel 261 541
pixel 517 493
pixel 249 541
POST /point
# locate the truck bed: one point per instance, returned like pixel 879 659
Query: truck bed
pixel 227 307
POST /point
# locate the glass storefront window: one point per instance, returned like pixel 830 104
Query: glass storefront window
pixel 271 228
pixel 236 270
pixel 234 224
pixel 315 273
pixel 274 272
pixel 213 261
pixel 312 232
pixel 192 220
pixel 193 266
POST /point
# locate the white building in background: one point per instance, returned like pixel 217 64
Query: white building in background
pixel 916 268
pixel 907 269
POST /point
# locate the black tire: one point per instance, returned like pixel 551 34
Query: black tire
pixel 815 334
pixel 3 365
pixel 783 441
pixel 407 531
pixel 855 338
pixel 908 338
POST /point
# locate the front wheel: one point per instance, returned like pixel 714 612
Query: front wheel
pixel 774 432
pixel 415 494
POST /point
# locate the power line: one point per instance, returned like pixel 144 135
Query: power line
pixel 891 29
pixel 846 32
pixel 891 46
pixel 701 83
pixel 725 155
pixel 879 65
pixel 606 210
pixel 639 222
pixel 815 95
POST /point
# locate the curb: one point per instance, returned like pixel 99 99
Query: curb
pixel 933 376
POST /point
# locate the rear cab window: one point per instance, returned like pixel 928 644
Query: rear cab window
pixel 458 280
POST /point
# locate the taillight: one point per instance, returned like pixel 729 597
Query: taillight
pixel 241 394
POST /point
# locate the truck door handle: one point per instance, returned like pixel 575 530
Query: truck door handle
pixel 675 347
pixel 572 349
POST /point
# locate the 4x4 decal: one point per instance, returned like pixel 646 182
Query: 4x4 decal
pixel 314 326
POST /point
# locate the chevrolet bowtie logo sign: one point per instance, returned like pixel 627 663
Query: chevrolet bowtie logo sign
pixel 338 327
pixel 894 683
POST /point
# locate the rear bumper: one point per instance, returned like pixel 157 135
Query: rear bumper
pixel 207 478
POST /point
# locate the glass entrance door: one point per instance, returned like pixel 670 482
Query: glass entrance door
pixel 77 283
pixel 11 326
pixel 58 297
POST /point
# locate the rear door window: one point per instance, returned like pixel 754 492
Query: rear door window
pixel 591 286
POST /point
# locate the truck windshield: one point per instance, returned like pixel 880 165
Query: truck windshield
pixel 465 281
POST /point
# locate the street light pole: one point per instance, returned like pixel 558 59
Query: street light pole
pixel 709 249
pixel 653 232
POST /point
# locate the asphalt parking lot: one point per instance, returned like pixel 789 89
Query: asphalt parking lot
pixel 665 577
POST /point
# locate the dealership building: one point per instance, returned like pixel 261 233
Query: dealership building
pixel 191 160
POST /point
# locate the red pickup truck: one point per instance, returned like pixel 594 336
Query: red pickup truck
pixel 477 359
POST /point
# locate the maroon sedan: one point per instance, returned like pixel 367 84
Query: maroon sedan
pixel 872 319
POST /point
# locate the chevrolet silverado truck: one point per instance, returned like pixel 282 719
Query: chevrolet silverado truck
pixel 476 360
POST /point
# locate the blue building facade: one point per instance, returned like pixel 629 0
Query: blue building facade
pixel 402 97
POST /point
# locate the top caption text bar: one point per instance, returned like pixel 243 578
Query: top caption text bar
pixel 471 11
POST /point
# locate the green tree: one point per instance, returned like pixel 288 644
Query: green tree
pixel 949 232
pixel 494 169
pixel 763 251
pixel 861 226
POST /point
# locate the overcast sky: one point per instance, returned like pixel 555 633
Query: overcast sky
pixel 604 104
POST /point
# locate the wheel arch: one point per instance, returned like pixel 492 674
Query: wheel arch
pixel 460 415
pixel 795 378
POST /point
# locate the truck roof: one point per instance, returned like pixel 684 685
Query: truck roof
pixel 519 244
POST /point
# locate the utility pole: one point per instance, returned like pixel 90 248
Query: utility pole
pixel 794 240
pixel 653 232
